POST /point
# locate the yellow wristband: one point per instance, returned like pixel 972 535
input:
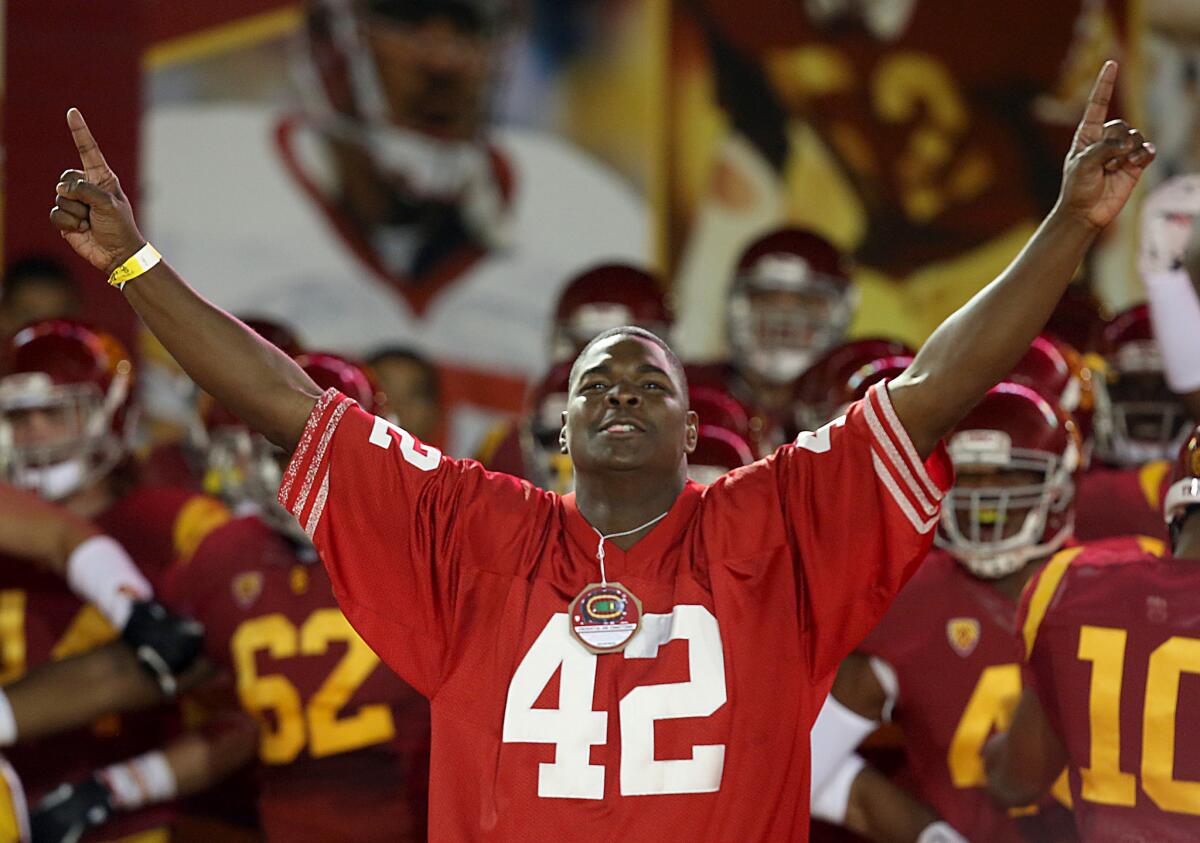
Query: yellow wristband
pixel 142 260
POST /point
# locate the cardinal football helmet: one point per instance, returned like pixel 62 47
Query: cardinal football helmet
pixel 546 466
pixel 246 469
pixel 995 527
pixel 820 391
pixel 791 301
pixel 65 410
pixel 1137 419
pixel 718 451
pixel 1183 493
pixel 609 295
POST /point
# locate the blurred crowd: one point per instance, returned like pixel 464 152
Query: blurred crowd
pixel 445 272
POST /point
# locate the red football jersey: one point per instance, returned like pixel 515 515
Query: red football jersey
pixel 41 620
pixel 344 743
pixel 952 640
pixel 1113 637
pixel 753 589
pixel 1113 502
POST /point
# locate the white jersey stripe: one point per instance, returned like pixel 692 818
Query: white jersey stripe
pixel 889 450
pixel 900 498
pixel 901 435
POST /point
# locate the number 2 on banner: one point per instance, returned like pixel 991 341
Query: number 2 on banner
pixel 574 727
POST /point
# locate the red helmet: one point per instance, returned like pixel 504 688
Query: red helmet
pixel 790 302
pixel 1057 371
pixel 865 377
pixel 609 295
pixel 345 375
pixel 546 465
pixel 276 333
pixel 718 451
pixel 1137 418
pixel 819 392
pixel 245 468
pixel 81 379
pixel 1013 429
pixel 1183 493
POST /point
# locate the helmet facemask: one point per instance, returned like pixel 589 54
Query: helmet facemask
pixel 1138 419
pixel 57 439
pixel 547 466
pixel 1017 506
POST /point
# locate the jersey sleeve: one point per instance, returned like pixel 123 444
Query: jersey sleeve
pixel 396 524
pixel 860 508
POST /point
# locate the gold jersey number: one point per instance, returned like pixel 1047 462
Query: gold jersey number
pixel 288 723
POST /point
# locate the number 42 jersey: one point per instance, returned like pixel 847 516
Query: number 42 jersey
pixel 753 589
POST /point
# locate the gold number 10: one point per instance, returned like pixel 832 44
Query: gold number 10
pixel 1103 781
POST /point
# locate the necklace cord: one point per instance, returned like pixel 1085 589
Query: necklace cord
pixel 603 538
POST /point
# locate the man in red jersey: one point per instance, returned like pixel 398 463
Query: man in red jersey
pixel 583 669
pixel 1111 651
pixel 343 743
pixel 944 663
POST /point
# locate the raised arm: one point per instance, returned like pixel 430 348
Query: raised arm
pixel 980 343
pixel 248 375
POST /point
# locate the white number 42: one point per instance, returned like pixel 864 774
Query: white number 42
pixel 574 727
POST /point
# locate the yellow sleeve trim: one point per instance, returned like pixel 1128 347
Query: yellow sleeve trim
pixel 1047 585
pixel 1150 477
pixel 197 518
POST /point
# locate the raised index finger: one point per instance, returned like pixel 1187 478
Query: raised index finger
pixel 1091 127
pixel 94 166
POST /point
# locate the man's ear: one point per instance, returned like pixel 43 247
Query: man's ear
pixel 562 433
pixel 692 435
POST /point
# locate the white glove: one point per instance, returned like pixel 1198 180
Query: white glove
pixel 940 832
pixel 1167 218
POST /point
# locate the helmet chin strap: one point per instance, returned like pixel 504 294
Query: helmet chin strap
pixel 53 482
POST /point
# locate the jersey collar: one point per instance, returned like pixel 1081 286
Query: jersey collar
pixel 643 558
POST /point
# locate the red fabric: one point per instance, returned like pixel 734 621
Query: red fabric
pixel 1111 502
pixel 246 578
pixel 938 681
pixel 37 144
pixel 754 589
pixel 1116 584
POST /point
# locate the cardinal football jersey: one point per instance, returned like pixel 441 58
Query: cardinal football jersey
pixel 41 621
pixel 952 641
pixel 752 590
pixel 344 745
pixel 1113 502
pixel 1113 647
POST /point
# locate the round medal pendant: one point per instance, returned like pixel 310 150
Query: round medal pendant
pixel 605 616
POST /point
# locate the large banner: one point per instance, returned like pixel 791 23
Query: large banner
pixel 374 176
pixel 925 137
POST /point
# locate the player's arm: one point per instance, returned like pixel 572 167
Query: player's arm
pixel 190 764
pixel 1023 763
pixel 48 699
pixel 249 376
pixel 880 810
pixel 976 346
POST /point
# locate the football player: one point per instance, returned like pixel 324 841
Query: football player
pixel 1111 641
pixel 552 711
pixel 944 663
pixel 64 416
pixel 342 742
pixel 389 210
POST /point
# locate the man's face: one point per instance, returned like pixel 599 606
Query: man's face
pixel 627 410
pixel 48 425
pixel 1003 500
pixel 410 398
pixel 435 70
